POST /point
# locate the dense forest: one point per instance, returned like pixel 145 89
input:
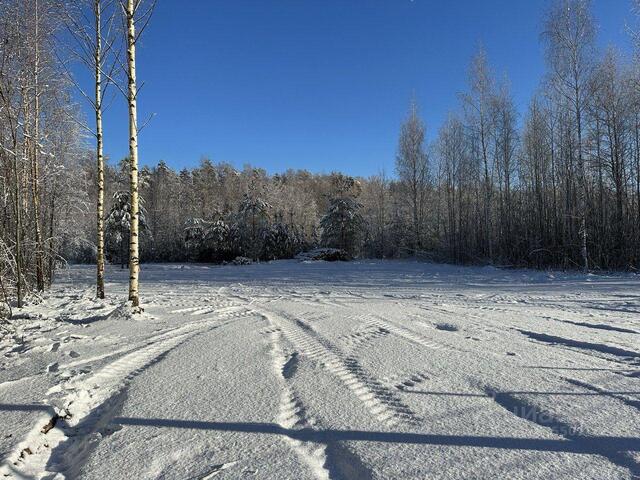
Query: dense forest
pixel 557 185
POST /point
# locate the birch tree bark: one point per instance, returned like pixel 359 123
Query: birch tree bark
pixel 99 151
pixel 134 259
pixel 18 226
pixel 35 170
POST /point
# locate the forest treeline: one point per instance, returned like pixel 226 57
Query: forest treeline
pixel 555 185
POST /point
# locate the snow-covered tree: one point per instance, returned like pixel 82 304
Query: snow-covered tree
pixel 412 168
pixel 343 224
pixel 118 228
pixel 280 240
pixel 208 241
pixel 253 217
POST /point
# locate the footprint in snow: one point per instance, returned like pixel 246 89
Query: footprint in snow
pixel 19 348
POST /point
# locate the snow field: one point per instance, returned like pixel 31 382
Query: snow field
pixel 329 371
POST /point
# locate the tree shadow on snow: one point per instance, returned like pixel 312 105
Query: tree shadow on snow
pixel 613 447
pixel 588 444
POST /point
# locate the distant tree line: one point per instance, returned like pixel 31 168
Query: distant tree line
pixel 215 213
pixel 562 189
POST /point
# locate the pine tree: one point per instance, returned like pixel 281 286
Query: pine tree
pixel 343 224
pixel 118 227
pixel 280 240
pixel 208 241
pixel 253 217
pixel 217 241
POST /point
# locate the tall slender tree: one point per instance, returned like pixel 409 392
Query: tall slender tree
pixel 98 63
pixel 478 104
pixel 412 168
pixel 570 35
pixel 95 46
pixel 134 15
pixel 35 167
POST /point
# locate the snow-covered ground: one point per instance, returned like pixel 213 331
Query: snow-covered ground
pixel 288 370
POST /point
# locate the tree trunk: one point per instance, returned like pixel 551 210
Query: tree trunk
pixel 134 260
pixel 583 186
pixel 99 155
pixel 16 174
pixel 34 165
pixel 52 219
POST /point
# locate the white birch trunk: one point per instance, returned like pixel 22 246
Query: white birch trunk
pixel 99 154
pixel 35 171
pixel 134 260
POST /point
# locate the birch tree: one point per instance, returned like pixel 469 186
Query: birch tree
pixel 35 167
pixel 91 24
pixel 452 152
pixel 505 138
pixel 570 35
pixel 136 12
pixel 478 104
pixel 34 142
pixel 412 169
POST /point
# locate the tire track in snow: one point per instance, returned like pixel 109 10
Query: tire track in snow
pixel 537 314
pixel 410 335
pixel 411 381
pixel 208 308
pixel 364 336
pixel 387 326
pixel 378 399
pixel 59 445
pixel 328 461
pixel 291 412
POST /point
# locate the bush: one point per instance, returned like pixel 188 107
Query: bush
pixel 240 261
pixel 281 241
pixel 325 254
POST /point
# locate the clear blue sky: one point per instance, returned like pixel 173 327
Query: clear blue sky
pixel 322 84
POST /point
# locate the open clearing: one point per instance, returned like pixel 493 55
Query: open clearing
pixel 391 370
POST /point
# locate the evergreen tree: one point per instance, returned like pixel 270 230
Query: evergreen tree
pixel 118 228
pixel 281 241
pixel 343 224
pixel 218 241
pixel 253 217
pixel 208 241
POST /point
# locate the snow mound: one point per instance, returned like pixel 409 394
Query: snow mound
pixel 122 312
